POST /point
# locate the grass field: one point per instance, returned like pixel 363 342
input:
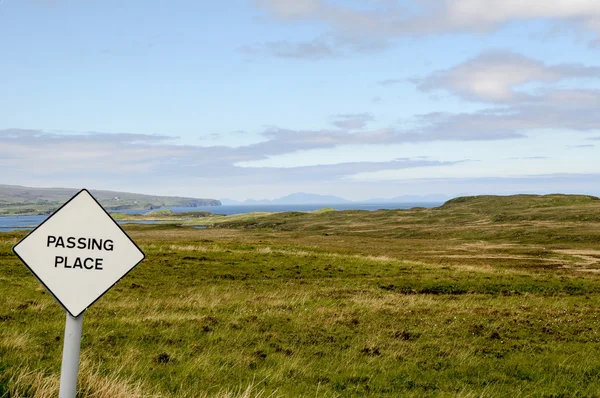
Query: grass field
pixel 484 296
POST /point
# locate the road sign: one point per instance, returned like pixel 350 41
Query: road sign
pixel 79 253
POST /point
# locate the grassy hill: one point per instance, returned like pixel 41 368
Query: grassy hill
pixel 494 214
pixel 25 200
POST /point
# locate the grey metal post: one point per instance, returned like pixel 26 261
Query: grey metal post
pixel 70 359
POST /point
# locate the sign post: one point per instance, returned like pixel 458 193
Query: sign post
pixel 70 358
pixel 78 254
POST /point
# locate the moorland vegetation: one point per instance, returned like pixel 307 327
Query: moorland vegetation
pixel 483 296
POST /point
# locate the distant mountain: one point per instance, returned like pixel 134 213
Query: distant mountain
pixel 15 199
pixel 256 202
pixel 410 199
pixel 292 199
pixel 311 198
pixel 230 202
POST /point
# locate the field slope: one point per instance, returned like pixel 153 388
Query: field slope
pixel 483 296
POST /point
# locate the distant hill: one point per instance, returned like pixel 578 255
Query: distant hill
pixel 292 199
pixel 311 198
pixel 553 207
pixel 557 218
pixel 517 202
pixel 410 199
pixel 16 199
pixel 230 202
pixel 308 198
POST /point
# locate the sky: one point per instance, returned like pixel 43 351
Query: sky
pixel 263 98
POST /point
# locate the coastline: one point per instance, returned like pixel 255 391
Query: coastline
pixel 202 216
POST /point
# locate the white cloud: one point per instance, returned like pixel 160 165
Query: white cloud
pixel 489 14
pixel 352 121
pixel 504 81
pixel 531 184
pixel 38 154
pixel 554 111
pixel 315 49
pixel 154 165
pixel 292 9
pixel 385 20
pixel 397 18
pixel 322 47
pixel 495 76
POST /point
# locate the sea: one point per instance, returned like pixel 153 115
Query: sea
pixel 13 223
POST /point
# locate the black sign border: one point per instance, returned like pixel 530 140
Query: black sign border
pixel 52 215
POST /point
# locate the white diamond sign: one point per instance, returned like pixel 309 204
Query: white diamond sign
pixel 79 253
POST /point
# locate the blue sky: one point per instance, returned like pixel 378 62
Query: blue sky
pixel 262 98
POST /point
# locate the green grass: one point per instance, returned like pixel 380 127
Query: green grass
pixel 443 302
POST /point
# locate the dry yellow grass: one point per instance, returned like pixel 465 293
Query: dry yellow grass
pixel 92 383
